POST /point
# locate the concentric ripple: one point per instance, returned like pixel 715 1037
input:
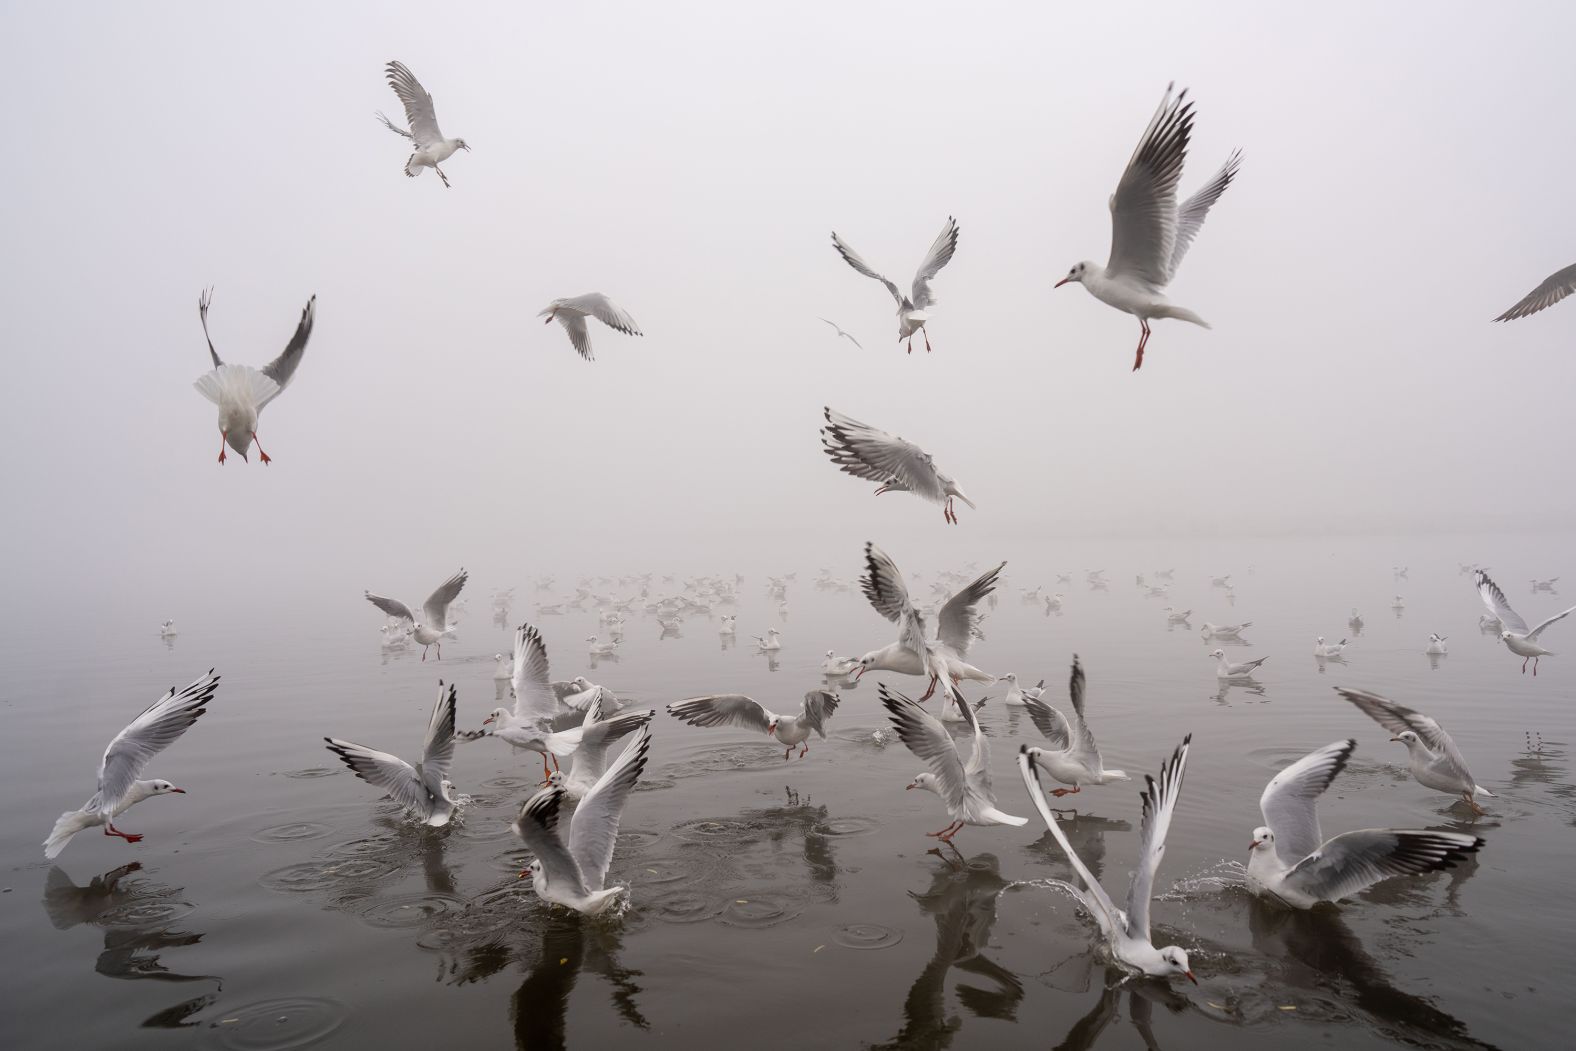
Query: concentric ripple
pixel 291 831
pixel 276 1025
pixel 313 771
pixel 410 910
pixel 867 936
pixel 848 826
pixel 682 906
pixel 757 909
pixel 144 914
pixel 324 874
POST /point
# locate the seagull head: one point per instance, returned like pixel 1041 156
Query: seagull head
pixel 1076 273
pixel 460 144
pixel 1176 962
pixel 494 716
pixel 1262 836
pixel 1407 737
pixel 926 781
pixel 1506 635
pixel 163 787
pixel 771 727
pixel 1217 654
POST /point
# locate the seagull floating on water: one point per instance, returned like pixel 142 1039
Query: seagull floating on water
pixel 434 627
pixel 1432 756
pixel 240 391
pixel 424 790
pixel 1436 645
pixel 1225 669
pixel 1514 633
pixel 1328 650
pixel 431 148
pixel 572 313
pixel 911 315
pixel 735 709
pixel 900 466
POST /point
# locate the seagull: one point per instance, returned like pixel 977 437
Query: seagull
pixel 601 649
pixel 1432 756
pixel 835 667
pixel 1291 862
pixel 574 873
pixel 240 391
pixel 1544 585
pixel 1177 616
pixel 911 316
pixel 435 613
pixel 431 148
pixel 1436 645
pixel 1075 760
pixel 1126 932
pixel 1225 669
pixel 735 709
pixel 900 466
pixel 167 630
pixel 424 789
pixel 1514 633
pixel 534 721
pixel 772 640
pixel 503 667
pixel 597 734
pixel 1324 650
pixel 572 313
pixel 729 625
pixel 1554 288
pixel 119 787
pixel 1053 603
pixel 843 334
pixel 965 788
pixel 1225 631
pixel 1014 697
pixel 1149 233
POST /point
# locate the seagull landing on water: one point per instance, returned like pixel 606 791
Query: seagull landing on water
pixel 241 391
pixel 1149 233
pixel 843 334
pixel 572 313
pixel 1432 755
pixel 435 611
pixel 900 466
pixel 1513 630
pixel 432 148
pixel 1554 288
pixel 423 790
pixel 911 316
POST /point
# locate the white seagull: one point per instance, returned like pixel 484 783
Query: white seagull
pixel 597 735
pixel 1225 631
pixel 735 709
pixel 1554 288
pixel 1225 669
pixel 572 313
pixel 965 788
pixel 119 786
pixel 841 333
pixel 1431 755
pixel 424 790
pixel 900 466
pixel 538 711
pixel 1518 640
pixel 574 873
pixel 1327 650
pixel 1126 931
pixel 911 315
pixel 1436 645
pixel 434 626
pixel 167 630
pixel 1075 759
pixel 1291 862
pixel 431 148
pixel 1149 233
pixel 240 391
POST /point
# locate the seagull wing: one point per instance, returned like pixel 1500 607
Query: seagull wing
pixel 959 618
pixel 1497 605
pixel 871 453
pixel 579 335
pixel 723 709
pixel 403 782
pixel 818 707
pixel 204 300
pixel 534 699
pixel 1190 217
pixel 597 737
pixel 1160 803
pixel 1395 718
pixel 1291 799
pixel 924 735
pixel 1555 287
pixel 392 606
pixel 606 311
pixel 149 734
pixel 436 608
pixel 537 827
pixel 940 255
pixel 437 749
pixel 1354 861
pixel 1535 632
pixel 391 126
pixel 1095 899
pixel 594 829
pixel 419 114
pixel 883 586
pixel 1144 207
pixel 282 368
pixel 852 258
pixel 1052 724
pixel 1080 740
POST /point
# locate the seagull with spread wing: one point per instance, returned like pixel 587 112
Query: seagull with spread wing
pixel 1149 232
pixel 424 790
pixel 964 787
pixel 911 309
pixel 841 334
pixel 735 709
pixel 1431 754
pixel 241 391
pixel 430 146
pixel 1513 630
pixel 1074 758
pixel 572 313
pixel 1554 288
pixel 435 626
pixel 900 466
pixel 1291 862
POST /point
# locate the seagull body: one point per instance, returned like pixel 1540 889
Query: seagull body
pixel 1177 616
pixel 1225 669
pixel 597 735
pixel 1075 759
pixel 966 789
pixel 503 667
pixel 729 625
pixel 1436 645
pixel 1149 232
pixel 841 333
pixel 430 147
pixel 735 709
pixel 424 790
pixel 1126 931
pixel 1554 288
pixel 900 466
pixel 1329 650
pixel 1290 861
pixel 119 786
pixel 772 640
pixel 1432 756
pixel 835 667
pixel 434 626
pixel 537 708
pixel 911 309
pixel 601 649
pixel 573 872
pixel 167 630
pixel 572 313
pixel 241 391
pixel 1225 631
pixel 1513 630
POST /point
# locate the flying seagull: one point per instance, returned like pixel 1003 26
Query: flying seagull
pixel 843 334
pixel 1149 233
pixel 435 626
pixel 735 709
pixel 911 316
pixel 241 391
pixel 1555 287
pixel 424 790
pixel 900 466
pixel 1075 758
pixel 572 313
pixel 431 148
pixel 1513 630
pixel 1431 754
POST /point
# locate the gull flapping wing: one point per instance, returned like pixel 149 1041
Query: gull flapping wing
pixel 1290 803
pixel 1396 718
pixel 413 787
pixel 537 827
pixel 870 453
pixel 1354 861
pixel 818 707
pixel 1160 803
pixel 883 586
pixel 436 608
pixel 1052 724
pixel 1532 635
pixel 437 748
pixel 959 618
pixel 1497 605
pixel 282 368
pixel 534 699
pixel 594 828
pixel 392 606
pixel 391 126
pixel 1144 207
pixel 924 735
pixel 146 736
pixel 204 299
pixel 599 735
pixel 940 255
pixel 853 259
pixel 1554 288
pixel 723 709
pixel 1094 899
pixel 977 769
pixel 419 113
pixel 1190 217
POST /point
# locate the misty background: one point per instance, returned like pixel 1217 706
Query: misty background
pixel 1406 178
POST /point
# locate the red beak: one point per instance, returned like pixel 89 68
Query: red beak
pixel 182 791
pixel 1254 845
pixel 907 787
pixel 1062 282
pixel 860 674
pixel 487 720
pixel 1190 977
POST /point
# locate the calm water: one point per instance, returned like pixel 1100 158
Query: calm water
pixel 281 903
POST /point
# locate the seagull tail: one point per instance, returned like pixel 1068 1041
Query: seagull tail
pixel 1182 314
pixel 1479 790
pixel 1114 775
pixel 237 383
pixel 70 823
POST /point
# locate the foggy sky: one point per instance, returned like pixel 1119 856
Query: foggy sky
pixel 1406 178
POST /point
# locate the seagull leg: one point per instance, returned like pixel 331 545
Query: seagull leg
pixel 957 826
pixel 555 763
pixel 224 436
pixel 129 837
pixel 424 653
pixel 265 456
pixel 1138 362
pixel 1059 792
pixel 804 749
pixel 944 833
pixel 911 343
pixel 922 332
pixel 1534 667
pixel 545 775
pixel 1466 797
pixel 787 752
pixel 1524 661
pixel 931 690
pixel 442 176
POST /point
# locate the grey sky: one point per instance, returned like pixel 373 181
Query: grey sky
pixel 1406 178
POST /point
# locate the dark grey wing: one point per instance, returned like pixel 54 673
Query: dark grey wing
pixel 537 827
pixel 853 259
pixel 282 368
pixel 419 112
pixel 392 606
pixel 883 585
pixel 1190 217
pixel 1160 803
pixel 403 782
pixel 1355 861
pixel 959 618
pixel 1290 801
pixel 871 453
pixel 1554 288
pixel 1397 717
pixel 722 709
pixel 150 733
pixel 818 707
pixel 1051 723
pixel 1498 605
pixel 1144 206
pixel 203 301
pixel 927 738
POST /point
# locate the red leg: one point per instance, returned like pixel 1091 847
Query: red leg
pixel 1524 661
pixel 439 647
pixel 424 653
pixel 224 436
pixel 555 764
pixel 1059 792
pixel 911 344
pixel 1534 667
pixel 944 833
pixel 129 837
pixel 545 774
pixel 804 749
pixel 931 690
pixel 927 340
pixel 957 826
pixel 787 752
pixel 265 456
pixel 1142 341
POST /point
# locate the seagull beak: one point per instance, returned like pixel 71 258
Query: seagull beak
pixel 860 673
pixel 549 320
pixel 487 721
pixel 1062 282
pixel 182 791
pixel 1397 740
pixel 771 731
pixel 1190 977
pixel 908 787
pixel 1254 845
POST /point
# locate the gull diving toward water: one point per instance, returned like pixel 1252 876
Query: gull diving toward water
pixel 572 313
pixel 900 466
pixel 119 785
pixel 1126 931
pixel 1225 669
pixel 434 626
pixel 1291 862
pixel 424 790
pixel 966 789
pixel 1554 288
pixel 1431 755
pixel 841 333
pixel 911 315
pixel 735 709
pixel 1075 758
pixel 573 873
pixel 1514 633
pixel 431 148
pixel 1149 233
pixel 241 391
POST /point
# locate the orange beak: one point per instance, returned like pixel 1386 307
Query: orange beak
pixel 182 791
pixel 487 720
pixel 1190 977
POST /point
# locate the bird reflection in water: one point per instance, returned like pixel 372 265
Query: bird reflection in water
pixel 1086 833
pixel 1247 687
pixel 1142 996
pixel 570 944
